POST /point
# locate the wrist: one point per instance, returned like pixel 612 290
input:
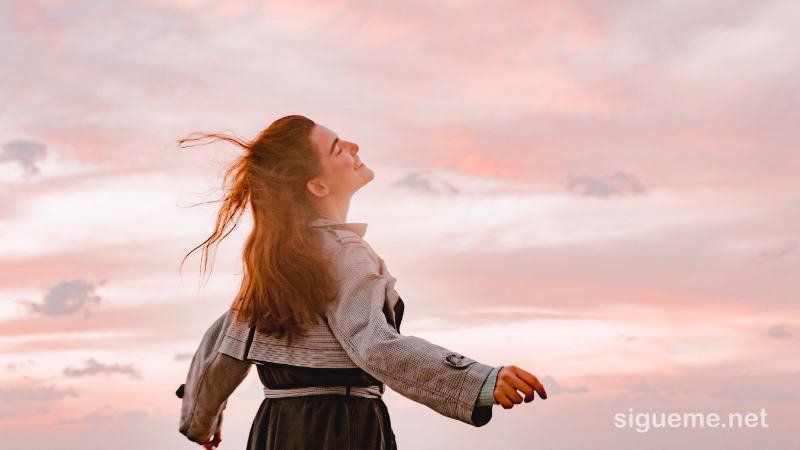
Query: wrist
pixel 486 396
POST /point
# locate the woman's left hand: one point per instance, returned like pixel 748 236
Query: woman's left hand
pixel 214 441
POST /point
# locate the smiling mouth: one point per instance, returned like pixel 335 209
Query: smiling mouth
pixel 358 166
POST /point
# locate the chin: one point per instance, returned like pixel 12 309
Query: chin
pixel 369 176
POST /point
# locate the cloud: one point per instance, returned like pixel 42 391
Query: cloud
pixel 115 328
pixel 551 386
pixel 619 183
pixel 625 337
pixel 9 204
pixel 67 297
pixel 183 356
pixel 779 331
pixel 107 416
pixel 500 315
pixel 778 251
pixel 33 394
pixel 30 395
pixel 120 260
pixel 96 368
pixel 766 387
pixel 24 152
pixel 426 183
pixel 13 367
pixel 95 428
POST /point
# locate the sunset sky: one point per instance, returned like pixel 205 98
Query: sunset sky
pixel 604 194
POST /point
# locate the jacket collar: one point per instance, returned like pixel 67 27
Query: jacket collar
pixel 359 228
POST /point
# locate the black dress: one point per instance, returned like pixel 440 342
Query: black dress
pixel 321 421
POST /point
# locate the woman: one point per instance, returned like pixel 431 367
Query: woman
pixel 318 314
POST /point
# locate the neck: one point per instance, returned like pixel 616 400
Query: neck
pixel 336 210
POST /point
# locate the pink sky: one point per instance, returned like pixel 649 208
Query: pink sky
pixel 605 194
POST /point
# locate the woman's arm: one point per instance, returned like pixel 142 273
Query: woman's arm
pixel 212 378
pixel 446 381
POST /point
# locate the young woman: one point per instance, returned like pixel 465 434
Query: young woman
pixel 318 314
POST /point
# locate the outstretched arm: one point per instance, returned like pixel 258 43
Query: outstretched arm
pixel 444 380
pixel 212 378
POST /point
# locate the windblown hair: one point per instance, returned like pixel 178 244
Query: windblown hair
pixel 286 280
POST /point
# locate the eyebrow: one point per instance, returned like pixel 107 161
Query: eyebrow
pixel 334 144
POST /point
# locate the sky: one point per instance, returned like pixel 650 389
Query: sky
pixel 604 194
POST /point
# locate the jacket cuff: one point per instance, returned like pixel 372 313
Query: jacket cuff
pixel 470 389
pixel 486 397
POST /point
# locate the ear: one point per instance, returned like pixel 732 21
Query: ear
pixel 317 187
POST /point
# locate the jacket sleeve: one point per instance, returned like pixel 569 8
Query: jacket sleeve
pixel 439 378
pixel 212 378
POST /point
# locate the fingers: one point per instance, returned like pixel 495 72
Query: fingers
pixel 503 400
pixel 212 443
pixel 507 390
pixel 520 385
pixel 505 394
pixel 217 438
pixel 512 379
pixel 510 393
pixel 531 381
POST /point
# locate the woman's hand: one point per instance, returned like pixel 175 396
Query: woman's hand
pixel 214 441
pixel 511 379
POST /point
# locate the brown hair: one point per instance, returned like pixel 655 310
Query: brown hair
pixel 286 280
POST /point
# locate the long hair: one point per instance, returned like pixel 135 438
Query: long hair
pixel 286 280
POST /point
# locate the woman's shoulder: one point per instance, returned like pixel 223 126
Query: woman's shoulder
pixel 335 239
pixel 348 251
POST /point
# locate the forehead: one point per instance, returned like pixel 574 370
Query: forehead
pixel 322 135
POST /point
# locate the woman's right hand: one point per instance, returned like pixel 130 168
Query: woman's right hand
pixel 511 379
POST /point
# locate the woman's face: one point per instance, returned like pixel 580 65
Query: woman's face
pixel 343 173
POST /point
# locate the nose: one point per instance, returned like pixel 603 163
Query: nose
pixel 354 147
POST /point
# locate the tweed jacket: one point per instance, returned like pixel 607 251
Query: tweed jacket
pixel 361 328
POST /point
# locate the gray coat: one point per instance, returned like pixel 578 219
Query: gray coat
pixel 360 329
